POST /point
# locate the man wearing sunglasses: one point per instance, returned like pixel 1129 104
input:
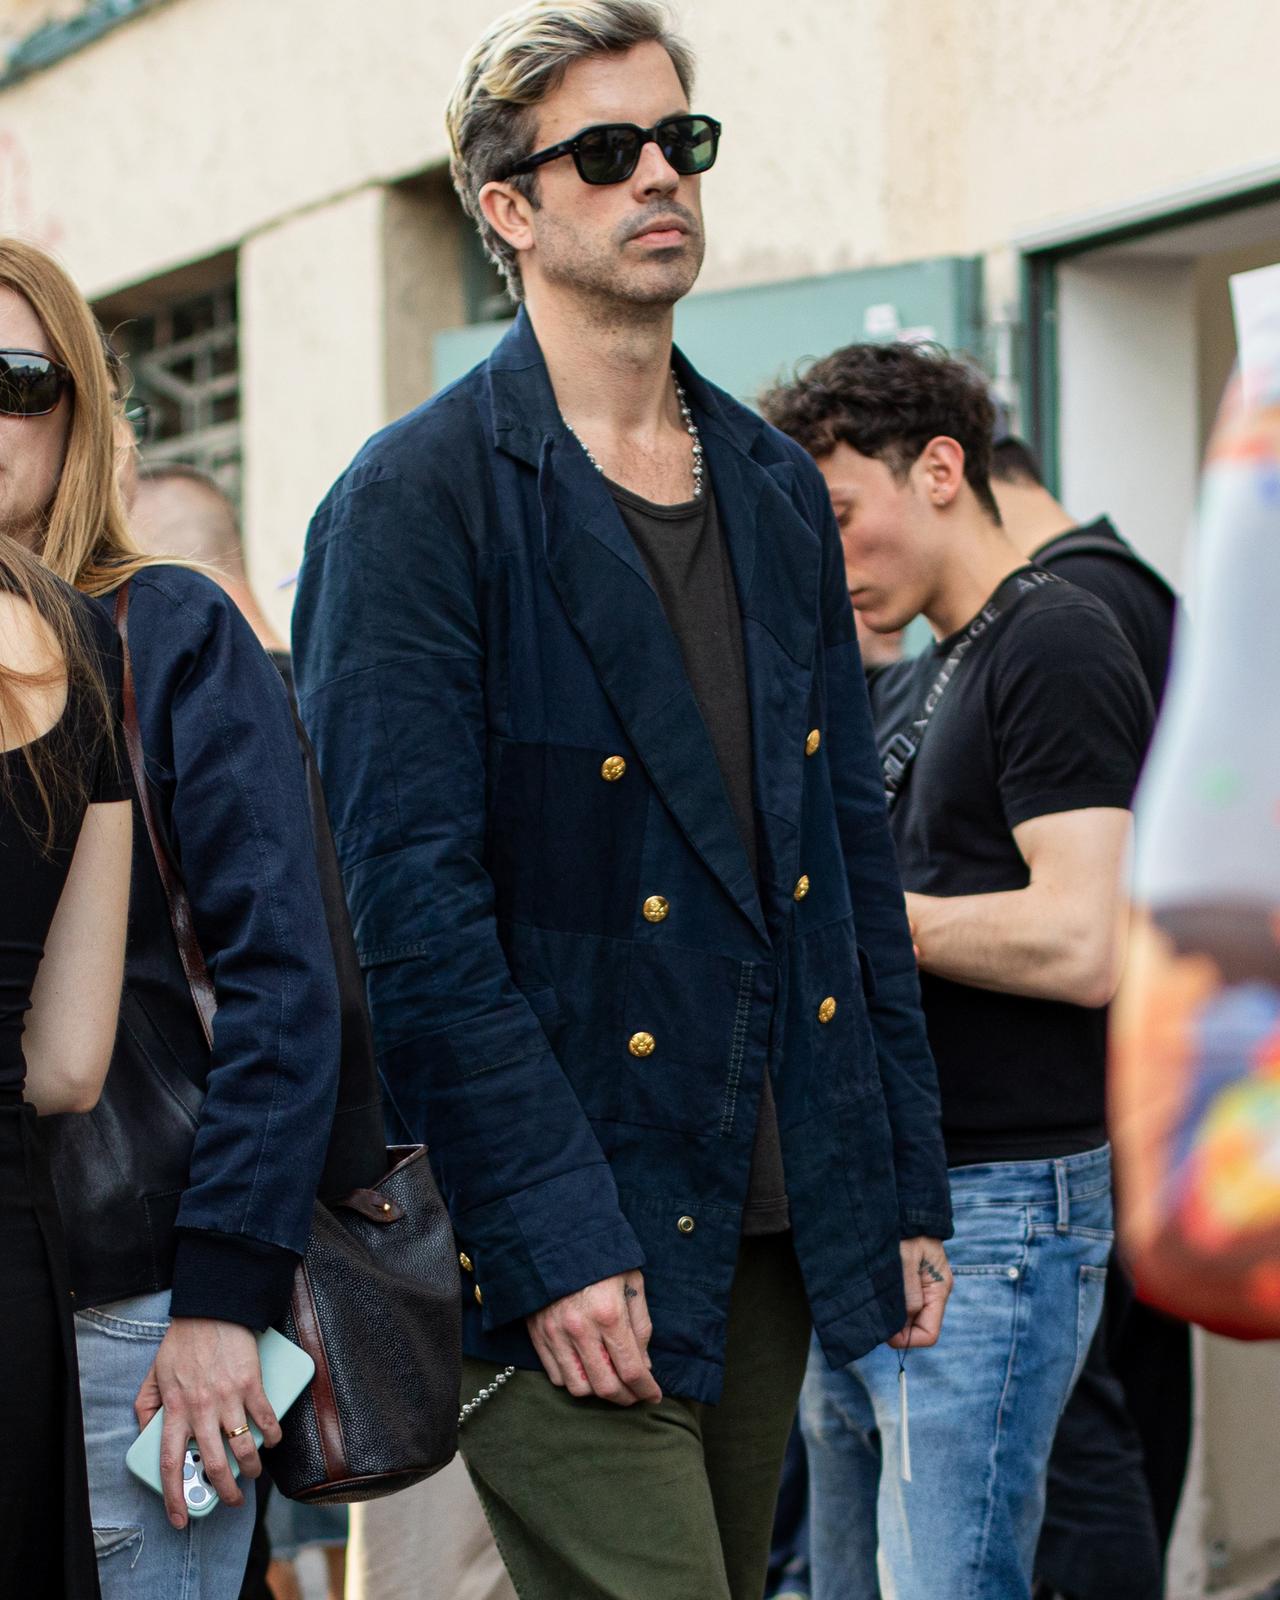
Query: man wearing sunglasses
pixel 574 646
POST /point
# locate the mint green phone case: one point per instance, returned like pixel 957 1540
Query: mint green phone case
pixel 286 1371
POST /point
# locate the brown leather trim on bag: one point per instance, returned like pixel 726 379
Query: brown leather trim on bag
pixel 371 1204
pixel 372 1486
pixel 184 928
pixel 306 1325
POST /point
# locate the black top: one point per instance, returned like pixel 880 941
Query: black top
pixel 1136 595
pixel 689 565
pixel 33 877
pixel 684 551
pixel 1048 713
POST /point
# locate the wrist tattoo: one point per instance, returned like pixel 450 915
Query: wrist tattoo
pixel 928 1270
pixel 629 1293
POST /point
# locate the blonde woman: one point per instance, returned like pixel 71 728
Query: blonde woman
pixel 65 852
pixel 189 1190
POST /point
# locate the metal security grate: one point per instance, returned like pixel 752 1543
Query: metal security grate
pixel 185 363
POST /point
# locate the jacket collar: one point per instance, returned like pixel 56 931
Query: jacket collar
pixel 606 591
pixel 523 411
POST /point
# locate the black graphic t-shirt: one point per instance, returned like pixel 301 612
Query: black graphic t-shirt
pixel 1049 713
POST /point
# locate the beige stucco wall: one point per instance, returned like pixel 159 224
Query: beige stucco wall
pixel 858 130
pixel 335 333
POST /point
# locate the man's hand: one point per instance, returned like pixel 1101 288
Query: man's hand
pixel 207 1377
pixel 926 1280
pixel 596 1342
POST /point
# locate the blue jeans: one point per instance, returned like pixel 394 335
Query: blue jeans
pixel 1030 1261
pixel 141 1555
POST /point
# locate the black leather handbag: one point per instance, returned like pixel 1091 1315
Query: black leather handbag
pixel 376 1297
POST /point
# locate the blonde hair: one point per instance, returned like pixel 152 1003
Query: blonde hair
pixel 516 64
pixel 85 539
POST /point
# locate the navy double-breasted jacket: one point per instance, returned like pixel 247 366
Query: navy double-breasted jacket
pixel 515 763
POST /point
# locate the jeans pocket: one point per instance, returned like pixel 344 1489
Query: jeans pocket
pixel 1093 1285
pixel 142 1320
pixel 989 1241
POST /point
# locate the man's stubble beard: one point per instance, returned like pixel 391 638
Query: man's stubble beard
pixel 612 288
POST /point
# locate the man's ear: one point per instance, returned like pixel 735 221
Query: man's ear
pixel 508 213
pixel 941 465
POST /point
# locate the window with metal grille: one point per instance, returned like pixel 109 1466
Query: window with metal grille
pixel 184 358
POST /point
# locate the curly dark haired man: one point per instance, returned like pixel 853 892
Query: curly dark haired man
pixel 1011 750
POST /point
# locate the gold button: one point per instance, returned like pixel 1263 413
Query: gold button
pixel 464 1261
pixel 685 1224
pixel 827 1009
pixel 479 1296
pixel 656 908
pixel 613 769
pixel 641 1044
pixel 813 743
pixel 802 888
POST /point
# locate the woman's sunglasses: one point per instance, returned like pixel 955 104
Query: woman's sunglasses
pixel 610 151
pixel 31 384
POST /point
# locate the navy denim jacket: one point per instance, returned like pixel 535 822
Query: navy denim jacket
pixel 514 762
pixel 227 785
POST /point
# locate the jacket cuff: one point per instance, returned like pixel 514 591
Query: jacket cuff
pixel 521 1290
pixel 925 1224
pixel 544 1242
pixel 232 1279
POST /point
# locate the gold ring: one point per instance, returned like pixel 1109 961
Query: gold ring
pixel 236 1432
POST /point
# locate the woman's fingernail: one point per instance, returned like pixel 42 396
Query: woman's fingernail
pixel 175 1519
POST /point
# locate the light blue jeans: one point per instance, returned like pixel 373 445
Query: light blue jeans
pixel 141 1555
pixel 1030 1261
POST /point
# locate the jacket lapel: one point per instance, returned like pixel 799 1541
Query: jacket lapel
pixel 776 559
pixel 605 589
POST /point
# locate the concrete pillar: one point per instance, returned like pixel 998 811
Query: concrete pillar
pixel 338 309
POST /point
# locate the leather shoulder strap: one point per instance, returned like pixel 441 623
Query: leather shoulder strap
pixel 898 754
pixel 184 931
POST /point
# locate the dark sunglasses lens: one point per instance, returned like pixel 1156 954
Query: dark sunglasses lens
pixel 690 143
pixel 608 154
pixel 29 385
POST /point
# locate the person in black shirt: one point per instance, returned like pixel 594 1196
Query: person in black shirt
pixel 1091 555
pixel 1118 1464
pixel 1011 750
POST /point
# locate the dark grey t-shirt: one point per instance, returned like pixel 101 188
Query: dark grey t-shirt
pixel 684 550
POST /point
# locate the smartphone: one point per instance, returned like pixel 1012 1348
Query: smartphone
pixel 286 1372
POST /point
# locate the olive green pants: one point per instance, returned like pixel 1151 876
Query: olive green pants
pixel 675 1501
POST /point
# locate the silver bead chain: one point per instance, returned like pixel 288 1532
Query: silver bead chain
pixel 691 427
pixel 487 1393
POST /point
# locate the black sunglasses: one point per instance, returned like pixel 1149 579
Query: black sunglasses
pixel 609 152
pixel 31 384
